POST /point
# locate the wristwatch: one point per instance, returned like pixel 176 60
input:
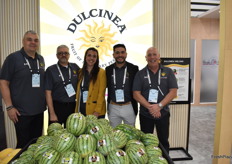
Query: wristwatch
pixel 160 105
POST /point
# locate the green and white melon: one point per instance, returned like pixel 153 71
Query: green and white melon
pixel 137 155
pixel 23 160
pixel 40 150
pixel 130 131
pixel 94 158
pixel 70 157
pixel 85 144
pixel 120 138
pixel 150 139
pixel 105 144
pixel 45 140
pixel 76 124
pixel 117 156
pixel 52 128
pixel 50 157
pixel 134 143
pixel 64 142
pixel 157 160
pixel 153 150
pixel 96 129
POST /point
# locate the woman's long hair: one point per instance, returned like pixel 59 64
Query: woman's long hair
pixel 95 70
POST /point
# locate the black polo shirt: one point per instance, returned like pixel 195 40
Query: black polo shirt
pixel 119 77
pixel 54 82
pixel 27 99
pixel 167 81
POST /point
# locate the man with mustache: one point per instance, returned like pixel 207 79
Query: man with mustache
pixel 120 76
pixel 60 85
pixel 154 87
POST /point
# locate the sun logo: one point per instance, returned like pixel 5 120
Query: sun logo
pixel 98 37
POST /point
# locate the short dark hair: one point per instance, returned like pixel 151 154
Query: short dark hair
pixel 119 45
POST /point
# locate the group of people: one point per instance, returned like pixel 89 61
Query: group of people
pixel 64 88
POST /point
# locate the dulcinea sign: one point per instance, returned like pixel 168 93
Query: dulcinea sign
pixel 81 24
pixel 96 33
pixel 96 13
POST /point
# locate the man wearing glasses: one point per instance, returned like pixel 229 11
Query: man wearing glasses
pixel 60 87
pixel 22 88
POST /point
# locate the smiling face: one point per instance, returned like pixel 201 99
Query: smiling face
pixel 91 58
pixel 152 57
pixel 120 55
pixel 30 43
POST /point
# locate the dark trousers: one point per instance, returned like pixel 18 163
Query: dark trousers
pixel 162 128
pixel 28 128
pixel 63 110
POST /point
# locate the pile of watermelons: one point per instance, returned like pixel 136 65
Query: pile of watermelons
pixel 89 140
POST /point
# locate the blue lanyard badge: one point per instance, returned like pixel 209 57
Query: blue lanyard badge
pixel 35 80
pixel 153 95
pixel 85 96
pixel 70 90
pixel 119 94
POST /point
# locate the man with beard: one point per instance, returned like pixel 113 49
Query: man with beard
pixel 120 76
pixel 60 85
pixel 155 86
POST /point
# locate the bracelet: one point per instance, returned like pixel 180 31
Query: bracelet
pixel 9 107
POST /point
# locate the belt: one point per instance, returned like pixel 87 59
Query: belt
pixel 127 103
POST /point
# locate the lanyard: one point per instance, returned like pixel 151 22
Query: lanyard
pixel 62 77
pixel 149 80
pixel 30 65
pixel 124 78
pixel 82 83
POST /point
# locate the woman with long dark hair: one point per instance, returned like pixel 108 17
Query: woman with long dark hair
pixel 91 86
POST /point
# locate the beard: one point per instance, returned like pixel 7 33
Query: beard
pixel 120 62
pixel 63 60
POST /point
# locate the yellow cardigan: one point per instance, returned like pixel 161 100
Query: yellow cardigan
pixel 96 95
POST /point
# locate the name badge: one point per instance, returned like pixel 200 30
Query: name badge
pixel 35 80
pixel 119 94
pixel 85 96
pixel 70 90
pixel 153 96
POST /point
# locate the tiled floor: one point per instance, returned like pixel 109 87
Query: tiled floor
pixel 201 137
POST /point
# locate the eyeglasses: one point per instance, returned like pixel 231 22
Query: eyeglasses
pixel 62 53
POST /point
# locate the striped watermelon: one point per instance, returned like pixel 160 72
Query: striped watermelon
pixel 134 143
pixel 120 138
pixel 40 150
pixel 96 129
pixel 45 140
pixel 153 150
pixel 85 144
pixel 157 160
pixel 117 156
pixel 70 157
pixel 137 155
pixel 50 157
pixel 150 139
pixel 105 144
pixel 64 142
pixel 130 131
pixel 32 147
pixel 53 127
pixel 95 158
pixel 76 124
pixel 23 160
